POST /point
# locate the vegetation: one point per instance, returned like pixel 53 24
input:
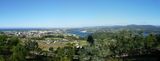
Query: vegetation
pixel 100 46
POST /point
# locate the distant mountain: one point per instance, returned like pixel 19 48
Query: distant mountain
pixel 146 28
pixel 143 27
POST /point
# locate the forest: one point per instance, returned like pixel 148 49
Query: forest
pixel 123 45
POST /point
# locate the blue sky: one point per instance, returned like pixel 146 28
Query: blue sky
pixel 78 13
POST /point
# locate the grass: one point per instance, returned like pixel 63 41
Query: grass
pixel 45 46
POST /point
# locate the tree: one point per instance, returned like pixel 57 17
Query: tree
pixel 3 39
pixel 90 39
pixel 51 49
pixel 13 41
pixel 31 45
pixel 1 58
pixel 150 41
pixel 19 53
pixel 64 54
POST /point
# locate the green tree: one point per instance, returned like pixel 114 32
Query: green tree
pixel 150 41
pixel 90 39
pixel 1 58
pixel 13 41
pixel 64 54
pixel 19 53
pixel 31 45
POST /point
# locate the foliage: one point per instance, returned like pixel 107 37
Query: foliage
pixel 31 45
pixel 19 53
pixel 64 54
pixel 1 58
pixel 90 39
pixel 102 46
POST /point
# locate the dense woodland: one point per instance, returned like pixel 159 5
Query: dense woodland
pixel 121 45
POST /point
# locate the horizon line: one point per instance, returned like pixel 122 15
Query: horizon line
pixel 67 27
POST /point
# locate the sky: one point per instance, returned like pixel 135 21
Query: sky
pixel 77 13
